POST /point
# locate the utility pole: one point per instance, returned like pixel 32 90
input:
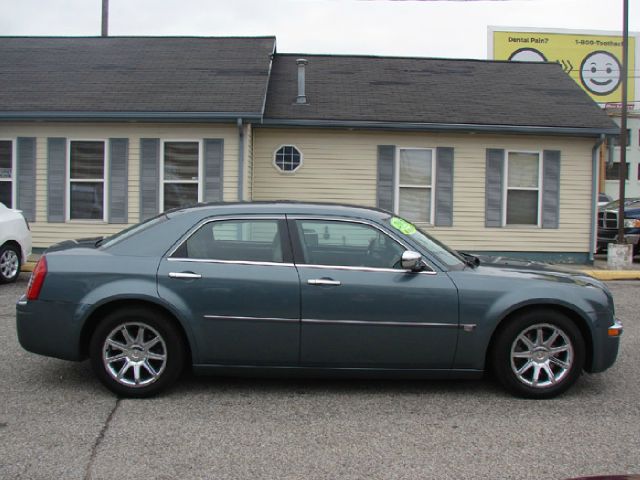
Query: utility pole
pixel 623 124
pixel 105 18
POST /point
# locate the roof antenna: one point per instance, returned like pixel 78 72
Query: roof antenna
pixel 105 18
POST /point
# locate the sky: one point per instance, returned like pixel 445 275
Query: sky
pixel 455 29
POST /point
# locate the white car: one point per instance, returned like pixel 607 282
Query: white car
pixel 15 243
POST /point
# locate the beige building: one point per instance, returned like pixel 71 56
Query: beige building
pixel 100 133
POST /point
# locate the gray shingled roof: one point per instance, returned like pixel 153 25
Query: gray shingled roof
pixel 134 74
pixel 431 91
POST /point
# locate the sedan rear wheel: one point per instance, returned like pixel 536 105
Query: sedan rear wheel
pixel 137 352
pixel 9 264
pixel 539 354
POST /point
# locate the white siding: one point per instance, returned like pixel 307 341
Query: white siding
pixel 44 234
pixel 340 166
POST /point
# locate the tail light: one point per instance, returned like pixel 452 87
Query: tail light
pixel 37 279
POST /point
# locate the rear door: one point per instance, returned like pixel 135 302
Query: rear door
pixel 235 279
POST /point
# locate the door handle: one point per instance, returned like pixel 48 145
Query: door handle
pixel 324 281
pixel 184 275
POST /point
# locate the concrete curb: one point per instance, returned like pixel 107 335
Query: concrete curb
pixel 614 274
pixel 27 267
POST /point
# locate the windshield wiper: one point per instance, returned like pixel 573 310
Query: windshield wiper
pixel 470 260
pixel 99 241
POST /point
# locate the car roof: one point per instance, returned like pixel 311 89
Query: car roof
pixel 283 207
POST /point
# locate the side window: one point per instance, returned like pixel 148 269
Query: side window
pixel 235 240
pixel 326 242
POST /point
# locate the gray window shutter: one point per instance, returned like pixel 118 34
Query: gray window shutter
pixel 550 189
pixel 118 180
pixel 213 169
pixel 56 179
pixel 26 177
pixel 385 180
pixel 149 177
pixel 444 187
pixel 494 184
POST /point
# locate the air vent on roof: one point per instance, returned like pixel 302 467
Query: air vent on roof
pixel 301 99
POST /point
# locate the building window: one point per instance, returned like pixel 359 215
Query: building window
pixel 287 159
pixel 6 173
pixel 414 188
pixel 180 174
pixel 613 171
pixel 86 180
pixel 522 205
pixel 616 139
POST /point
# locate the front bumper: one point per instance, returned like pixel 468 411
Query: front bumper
pixel 610 235
pixel 49 328
pixel 605 345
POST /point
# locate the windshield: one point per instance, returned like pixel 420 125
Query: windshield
pixel 129 232
pixel 449 257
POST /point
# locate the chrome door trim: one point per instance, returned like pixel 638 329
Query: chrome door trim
pixel 311 217
pixel 260 319
pixel 366 269
pixel 229 262
pixel 388 324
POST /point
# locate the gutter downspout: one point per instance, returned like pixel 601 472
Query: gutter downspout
pixel 240 160
pixel 594 197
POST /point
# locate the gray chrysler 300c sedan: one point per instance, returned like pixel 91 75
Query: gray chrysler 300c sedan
pixel 309 289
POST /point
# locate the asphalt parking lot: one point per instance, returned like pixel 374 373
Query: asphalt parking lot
pixel 57 421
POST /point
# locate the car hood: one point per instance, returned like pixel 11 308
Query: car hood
pixel 523 269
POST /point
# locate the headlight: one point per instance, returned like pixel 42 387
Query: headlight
pixel 631 223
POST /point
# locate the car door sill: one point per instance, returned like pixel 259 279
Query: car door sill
pixel 338 372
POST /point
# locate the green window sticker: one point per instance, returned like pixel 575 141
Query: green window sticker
pixel 402 225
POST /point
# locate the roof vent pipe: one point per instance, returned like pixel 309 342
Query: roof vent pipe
pixel 302 98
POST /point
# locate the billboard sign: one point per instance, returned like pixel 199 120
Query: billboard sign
pixel 592 59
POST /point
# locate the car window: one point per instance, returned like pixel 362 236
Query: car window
pixel 240 240
pixel 341 243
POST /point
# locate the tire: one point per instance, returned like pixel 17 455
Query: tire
pixel 9 263
pixel 538 354
pixel 137 352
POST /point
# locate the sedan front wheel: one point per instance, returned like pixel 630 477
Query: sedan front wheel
pixel 539 354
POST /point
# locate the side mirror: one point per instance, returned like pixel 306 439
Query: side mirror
pixel 411 261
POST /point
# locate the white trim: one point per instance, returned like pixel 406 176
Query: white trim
pixel 104 180
pixel 397 185
pixel 200 179
pixel 506 188
pixel 287 172
pixel 14 168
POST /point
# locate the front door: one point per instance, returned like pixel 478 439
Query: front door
pixel 361 309
pixel 236 279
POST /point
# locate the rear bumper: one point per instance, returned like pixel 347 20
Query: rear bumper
pixel 49 328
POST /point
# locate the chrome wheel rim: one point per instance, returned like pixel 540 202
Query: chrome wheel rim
pixel 134 354
pixel 9 264
pixel 541 355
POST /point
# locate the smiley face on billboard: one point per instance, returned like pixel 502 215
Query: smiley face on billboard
pixel 600 73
